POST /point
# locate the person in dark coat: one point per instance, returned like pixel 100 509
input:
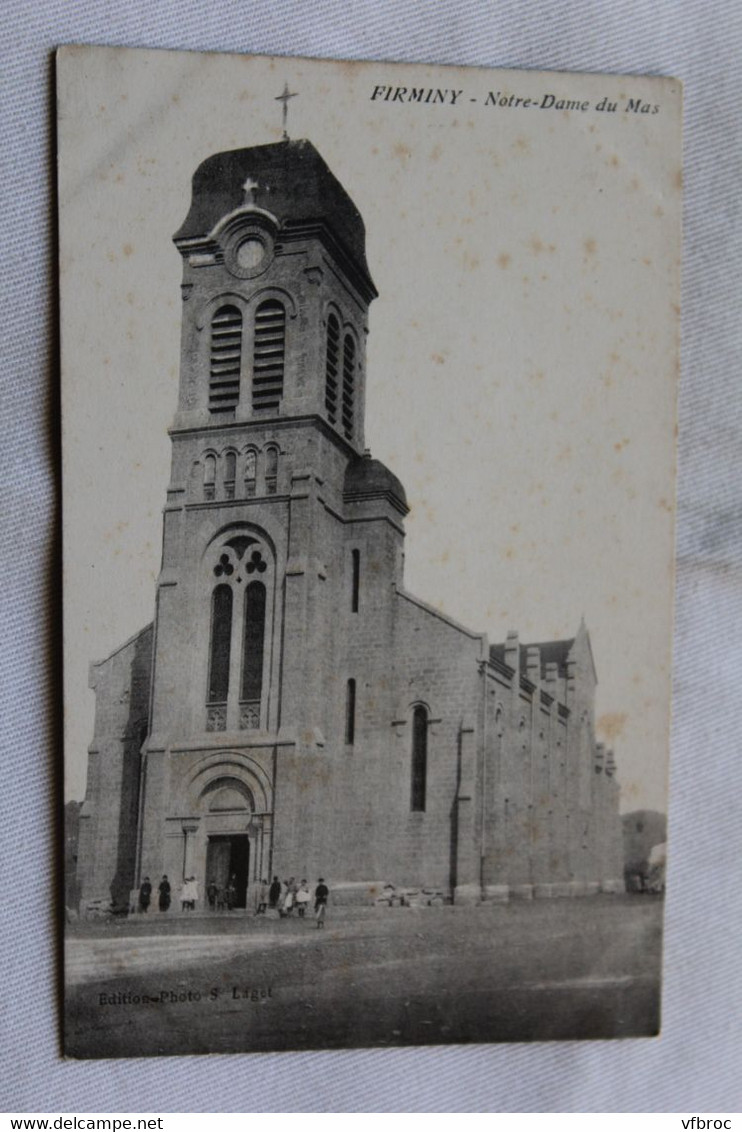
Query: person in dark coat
pixel 145 895
pixel 274 892
pixel 164 891
pixel 321 894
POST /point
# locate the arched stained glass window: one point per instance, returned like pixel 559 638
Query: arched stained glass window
pixel 225 360
pixel 269 352
pixel 349 379
pixel 221 637
pixel 331 368
pixel 419 757
pixel 252 655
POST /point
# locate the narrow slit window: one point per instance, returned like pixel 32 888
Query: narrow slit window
pixel 355 580
pixel 350 713
pixel 419 758
pixel 225 360
pixel 349 378
pixel 269 352
pixel 331 368
pixel 221 638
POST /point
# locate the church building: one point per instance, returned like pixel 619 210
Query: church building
pixel 292 710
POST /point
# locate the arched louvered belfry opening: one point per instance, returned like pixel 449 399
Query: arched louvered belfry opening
pixel 225 359
pixel 269 354
pixel 349 381
pixel 332 365
pixel 419 758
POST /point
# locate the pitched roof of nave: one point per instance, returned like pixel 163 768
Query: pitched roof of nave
pixel 288 179
pixel 552 652
pixel 140 633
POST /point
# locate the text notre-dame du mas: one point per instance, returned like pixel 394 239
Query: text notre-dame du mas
pixel 502 100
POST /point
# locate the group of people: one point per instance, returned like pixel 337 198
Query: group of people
pixel 221 899
pixel 164 894
pixel 285 896
pixel 281 896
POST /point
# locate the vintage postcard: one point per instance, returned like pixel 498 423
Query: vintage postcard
pixel 368 436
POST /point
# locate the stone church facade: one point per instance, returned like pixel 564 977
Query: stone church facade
pixel 292 709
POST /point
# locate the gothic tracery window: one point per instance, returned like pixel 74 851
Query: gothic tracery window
pixel 241 576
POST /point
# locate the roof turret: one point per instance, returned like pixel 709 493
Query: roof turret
pixel 366 478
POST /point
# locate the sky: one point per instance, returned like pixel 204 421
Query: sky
pixel 522 356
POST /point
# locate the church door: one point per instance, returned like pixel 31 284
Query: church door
pixel 228 857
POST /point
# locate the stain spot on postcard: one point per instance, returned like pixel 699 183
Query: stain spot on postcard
pixel 611 725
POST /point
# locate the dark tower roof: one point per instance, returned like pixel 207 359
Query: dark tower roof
pixel 293 183
pixel 366 478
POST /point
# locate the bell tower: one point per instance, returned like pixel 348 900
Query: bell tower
pixel 275 519
pixel 276 293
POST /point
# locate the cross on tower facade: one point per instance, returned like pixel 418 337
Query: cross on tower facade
pixel 248 189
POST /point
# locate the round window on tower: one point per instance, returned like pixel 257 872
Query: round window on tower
pixel 250 253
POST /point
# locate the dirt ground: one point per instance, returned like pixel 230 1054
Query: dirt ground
pixel 584 968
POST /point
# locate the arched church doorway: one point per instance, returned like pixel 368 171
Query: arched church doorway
pixel 228 862
pixel 230 824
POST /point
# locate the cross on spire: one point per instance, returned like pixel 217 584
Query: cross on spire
pixel 284 98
